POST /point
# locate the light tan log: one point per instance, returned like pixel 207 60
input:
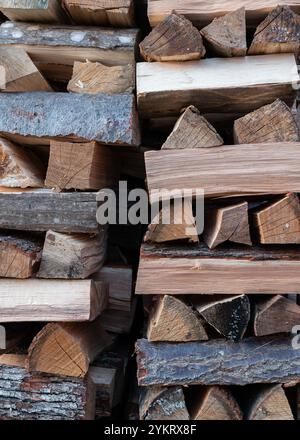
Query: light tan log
pixel 51 300
pixel 46 11
pixel 174 39
pixel 163 403
pixel 270 403
pixel 192 131
pixel 67 349
pixel 278 33
pixel 274 122
pixel 227 35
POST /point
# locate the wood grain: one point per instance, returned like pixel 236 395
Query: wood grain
pixel 41 11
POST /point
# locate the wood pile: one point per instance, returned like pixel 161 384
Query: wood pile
pixel 220 301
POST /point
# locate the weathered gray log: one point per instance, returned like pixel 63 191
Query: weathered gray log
pixel 109 119
pixel 218 362
pixel 41 210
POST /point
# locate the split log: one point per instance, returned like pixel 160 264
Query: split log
pixel 218 362
pixel 276 169
pixel 105 381
pixel 229 315
pixel 279 222
pixel 108 119
pixel 278 33
pixel 269 403
pixel 54 48
pixel 190 270
pixel 81 166
pixel 272 123
pixel 226 35
pixel 192 131
pixel 51 300
pixel 118 13
pixel 47 11
pixel 214 403
pixel 96 78
pixel 19 168
pixel 228 223
pixel 73 256
pixel 42 397
pixel 275 315
pixel 21 75
pixel 20 255
pixel 67 349
pixel 201 12
pixel 119 321
pixel 41 210
pixel 216 84
pixel 160 403
pixel 172 320
pixel 174 39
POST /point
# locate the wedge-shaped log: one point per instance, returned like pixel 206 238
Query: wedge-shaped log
pixel 269 402
pixel 97 78
pixel 118 13
pixel 182 270
pixel 51 300
pixel 227 35
pixel 74 256
pixel 174 321
pixel 41 210
pixel 215 85
pixel 192 131
pixel 201 12
pixel 33 396
pixel 109 119
pixel 271 123
pixel 225 171
pixel 54 48
pixel 67 349
pixel 19 255
pixel 161 403
pixel 279 222
pixel 174 39
pixel 278 33
pixel 46 11
pixel 217 362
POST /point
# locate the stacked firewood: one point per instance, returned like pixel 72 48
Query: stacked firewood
pixel 221 302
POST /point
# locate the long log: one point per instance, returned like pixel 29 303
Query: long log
pixel 46 11
pixel 108 119
pixel 215 85
pixel 218 362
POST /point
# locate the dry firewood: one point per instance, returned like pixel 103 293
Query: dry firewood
pixel 269 403
pixel 105 381
pixel 227 34
pixel 175 39
pixel 119 321
pixel 161 403
pixel 47 11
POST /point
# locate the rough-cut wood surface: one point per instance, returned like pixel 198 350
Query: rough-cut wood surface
pixel 172 320
pixel 274 122
pixel 275 315
pixel 67 349
pixel 216 85
pixel 202 12
pixel 97 78
pixel 51 300
pixel 269 403
pixel 279 221
pixel 229 223
pixel 72 255
pixel 109 119
pixel 192 131
pixel 41 11
pixel 26 396
pixel 174 39
pixel 19 168
pixel 226 35
pixel 194 269
pixel 160 403
pixel 214 403
pixel 20 255
pixel 278 33
pixel 118 13
pixel 225 171
pixel 218 362
pixel 41 210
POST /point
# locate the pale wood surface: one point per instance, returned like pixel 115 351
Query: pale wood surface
pixel 270 403
pixel 161 403
pixel 41 11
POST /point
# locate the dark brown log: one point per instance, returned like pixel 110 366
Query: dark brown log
pixel 160 403
pixel 216 362
pixel 269 403
pixel 105 381
pixel 119 321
